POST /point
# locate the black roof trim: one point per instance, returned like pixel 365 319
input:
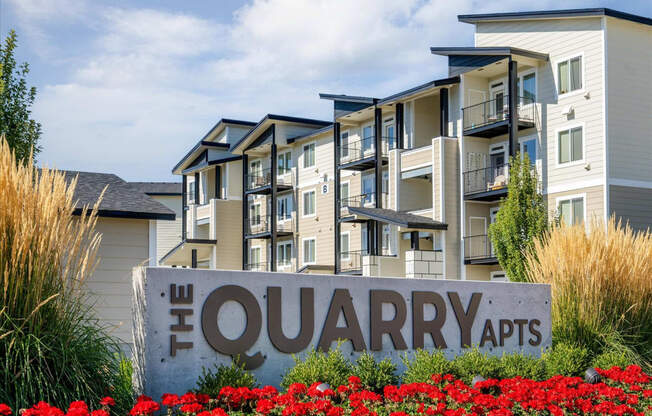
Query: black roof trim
pixel 488 51
pixel 402 219
pixel 311 134
pixel 549 14
pixel 206 164
pixel 108 213
pixel 276 117
pixel 348 98
pixel 422 87
pixel 214 144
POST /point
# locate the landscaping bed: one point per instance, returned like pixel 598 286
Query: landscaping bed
pixel 620 392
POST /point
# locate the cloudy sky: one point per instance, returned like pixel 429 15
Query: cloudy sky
pixel 129 86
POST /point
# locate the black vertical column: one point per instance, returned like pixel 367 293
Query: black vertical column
pixel 513 102
pixel 336 203
pixel 218 182
pixel 378 172
pixel 443 112
pixel 184 205
pixel 414 240
pixel 400 125
pixel 272 254
pixel 245 211
pixel 197 199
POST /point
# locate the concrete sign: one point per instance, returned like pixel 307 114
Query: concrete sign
pixel 186 319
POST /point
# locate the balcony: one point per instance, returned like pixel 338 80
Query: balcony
pixel 361 154
pixel 260 182
pixel 258 267
pixel 261 227
pixel 351 262
pixel 490 118
pixel 478 250
pixel 362 200
pixel 486 184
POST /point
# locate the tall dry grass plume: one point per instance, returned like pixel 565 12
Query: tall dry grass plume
pixel 51 346
pixel 601 281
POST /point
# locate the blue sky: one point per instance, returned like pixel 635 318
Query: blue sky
pixel 128 87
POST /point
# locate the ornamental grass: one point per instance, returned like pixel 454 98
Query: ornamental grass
pixel 51 347
pixel 601 280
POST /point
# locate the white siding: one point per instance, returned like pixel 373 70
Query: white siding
pixel 168 233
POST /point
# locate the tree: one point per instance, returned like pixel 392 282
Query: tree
pixel 522 217
pixel 16 99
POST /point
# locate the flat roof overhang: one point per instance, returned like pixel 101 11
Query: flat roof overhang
pixel 486 261
pixel 205 164
pixel 553 14
pixel 489 51
pixel 181 254
pixel 487 196
pixel 404 220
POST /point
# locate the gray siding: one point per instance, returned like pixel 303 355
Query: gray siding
pixel 633 205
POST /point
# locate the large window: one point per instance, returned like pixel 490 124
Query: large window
pixel 254 214
pixel 570 145
pixel 344 144
pixel 344 245
pixel 284 253
pixel 191 190
pixel 309 251
pixel 309 155
pixel 529 93
pixel 284 163
pixel 284 205
pixel 571 210
pixel 367 138
pixel 344 191
pixel 390 134
pixel 368 189
pixel 529 147
pixel 254 255
pixel 569 75
pixel 309 203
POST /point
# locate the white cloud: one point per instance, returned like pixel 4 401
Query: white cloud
pixel 155 80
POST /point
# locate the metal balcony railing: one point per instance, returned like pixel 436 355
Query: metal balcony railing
pixel 362 200
pixel 351 261
pixel 496 110
pixel 354 150
pixel 261 178
pixel 486 179
pixel 258 267
pixel 260 224
pixel 478 247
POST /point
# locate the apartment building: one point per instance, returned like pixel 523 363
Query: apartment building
pixel 408 185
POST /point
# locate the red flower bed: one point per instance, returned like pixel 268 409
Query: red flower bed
pixel 622 392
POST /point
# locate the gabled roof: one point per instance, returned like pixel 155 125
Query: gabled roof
pixel 158 188
pixel 402 219
pixel 121 199
pixel 263 124
pixel 553 14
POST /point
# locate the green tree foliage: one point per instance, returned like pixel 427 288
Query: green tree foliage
pixel 522 217
pixel 16 99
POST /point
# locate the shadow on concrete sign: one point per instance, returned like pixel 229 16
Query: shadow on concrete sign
pixel 186 319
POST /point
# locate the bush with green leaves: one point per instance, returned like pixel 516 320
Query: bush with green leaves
pixel 375 375
pixel 330 367
pixel 424 364
pixel 610 359
pixel 475 363
pixel 566 359
pixel 526 366
pixel 211 381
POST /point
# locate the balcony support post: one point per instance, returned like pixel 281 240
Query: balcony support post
pixel 378 172
pixel 337 226
pixel 513 103
pixel 245 210
pixel 197 199
pixel 218 182
pixel 371 241
pixel 414 240
pixel 400 125
pixel 443 112
pixel 184 205
pixel 193 258
pixel 273 231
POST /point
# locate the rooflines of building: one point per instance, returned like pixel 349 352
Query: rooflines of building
pixel 158 188
pixel 553 14
pixel 488 51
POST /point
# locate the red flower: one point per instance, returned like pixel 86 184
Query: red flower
pixel 191 408
pixel 169 400
pixel 4 409
pixel 100 412
pixel 188 398
pixel 144 407
pixel 107 401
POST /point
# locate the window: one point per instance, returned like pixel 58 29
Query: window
pixel 571 210
pixel 344 144
pixel 191 190
pixel 309 251
pixel 365 239
pixel 284 163
pixel 529 88
pixel 309 203
pixel 344 191
pixel 569 75
pixel 387 250
pixel 570 145
pixel 344 246
pixel 368 189
pixel 256 168
pixel 390 134
pixel 367 138
pixel 284 205
pixel 254 260
pixel 309 155
pixel 529 147
pixel 284 254
pixel 254 214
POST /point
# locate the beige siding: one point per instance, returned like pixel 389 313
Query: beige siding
pixel 561 39
pixel 426 120
pixel 633 205
pixel 168 233
pixel 416 158
pixel 229 234
pixel 436 179
pixel 125 245
pixel 629 103
pixel 452 212
pixel 593 201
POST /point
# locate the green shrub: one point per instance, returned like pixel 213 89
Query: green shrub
pixel 609 359
pixel 331 367
pixel 566 359
pixel 211 382
pixel 423 365
pixel 512 365
pixel 375 375
pixel 475 363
